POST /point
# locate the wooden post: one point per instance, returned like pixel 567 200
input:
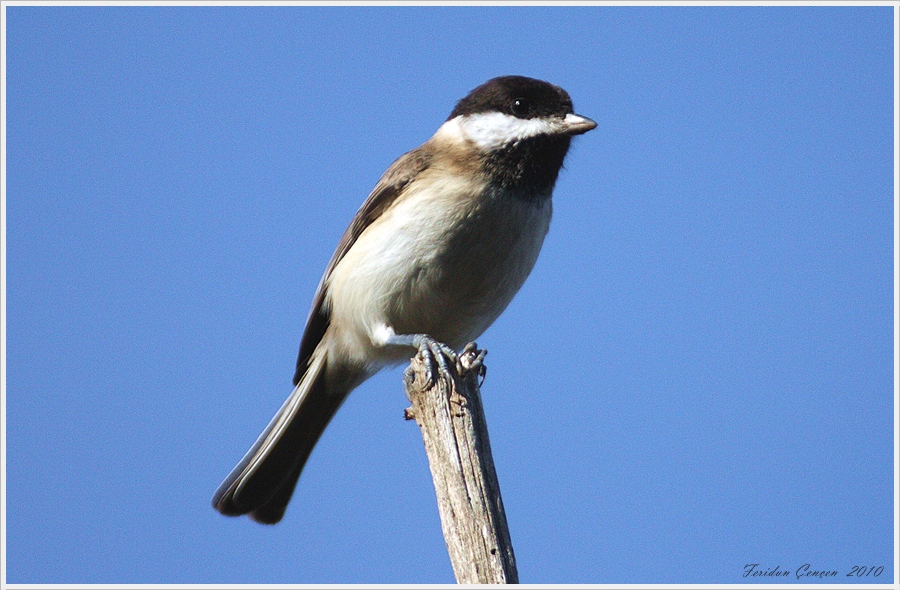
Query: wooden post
pixel 459 454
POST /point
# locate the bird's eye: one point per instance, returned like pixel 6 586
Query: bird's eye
pixel 520 107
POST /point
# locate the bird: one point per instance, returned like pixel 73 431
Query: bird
pixel 432 257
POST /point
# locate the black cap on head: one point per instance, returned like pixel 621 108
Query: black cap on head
pixel 519 96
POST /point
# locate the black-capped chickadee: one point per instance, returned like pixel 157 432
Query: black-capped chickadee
pixel 433 256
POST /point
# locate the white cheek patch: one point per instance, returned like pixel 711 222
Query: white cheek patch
pixel 493 130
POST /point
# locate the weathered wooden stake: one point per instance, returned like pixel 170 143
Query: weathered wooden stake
pixel 459 453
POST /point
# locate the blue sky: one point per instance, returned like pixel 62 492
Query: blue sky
pixel 698 375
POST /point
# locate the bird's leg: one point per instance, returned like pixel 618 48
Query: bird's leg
pixel 436 355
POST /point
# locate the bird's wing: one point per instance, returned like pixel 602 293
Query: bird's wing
pixel 398 176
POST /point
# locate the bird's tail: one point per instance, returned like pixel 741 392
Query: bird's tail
pixel 261 485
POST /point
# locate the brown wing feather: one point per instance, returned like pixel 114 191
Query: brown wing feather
pixel 402 172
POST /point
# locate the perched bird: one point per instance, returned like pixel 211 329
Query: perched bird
pixel 431 259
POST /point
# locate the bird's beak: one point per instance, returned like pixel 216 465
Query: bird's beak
pixel 576 124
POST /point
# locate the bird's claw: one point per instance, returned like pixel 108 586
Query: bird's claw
pixel 441 360
pixel 472 359
pixel 437 357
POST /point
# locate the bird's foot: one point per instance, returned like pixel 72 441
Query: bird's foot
pixel 439 359
pixel 472 359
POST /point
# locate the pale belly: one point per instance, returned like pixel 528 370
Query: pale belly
pixel 437 267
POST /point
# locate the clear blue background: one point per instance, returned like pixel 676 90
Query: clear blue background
pixel 697 375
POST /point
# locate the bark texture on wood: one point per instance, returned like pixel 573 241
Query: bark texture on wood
pixel 453 426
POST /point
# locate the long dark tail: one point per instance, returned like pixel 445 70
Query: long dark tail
pixel 261 485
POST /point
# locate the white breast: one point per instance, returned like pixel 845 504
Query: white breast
pixel 445 260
